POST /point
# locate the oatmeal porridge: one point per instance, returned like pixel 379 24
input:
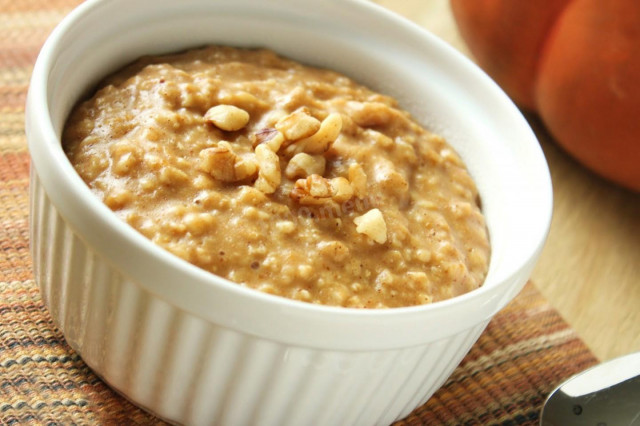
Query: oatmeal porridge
pixel 288 179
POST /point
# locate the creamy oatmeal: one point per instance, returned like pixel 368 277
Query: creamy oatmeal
pixel 284 178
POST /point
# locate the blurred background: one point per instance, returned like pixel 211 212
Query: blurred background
pixel 590 267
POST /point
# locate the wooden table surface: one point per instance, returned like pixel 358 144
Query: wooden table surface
pixel 590 267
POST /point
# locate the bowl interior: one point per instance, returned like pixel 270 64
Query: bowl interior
pixel 442 89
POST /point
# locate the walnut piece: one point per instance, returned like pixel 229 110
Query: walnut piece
pixel 358 180
pixel 227 117
pixel 303 165
pixel 269 176
pixel 320 141
pixel 315 190
pixel 298 125
pixel 372 224
pixel 223 164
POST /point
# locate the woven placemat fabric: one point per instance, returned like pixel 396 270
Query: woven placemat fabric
pixel 524 353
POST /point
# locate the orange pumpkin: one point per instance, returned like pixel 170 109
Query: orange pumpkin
pixel 575 62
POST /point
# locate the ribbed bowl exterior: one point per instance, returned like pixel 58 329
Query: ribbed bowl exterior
pixel 190 371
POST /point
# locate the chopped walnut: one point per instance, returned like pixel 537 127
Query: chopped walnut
pixel 298 125
pixel 341 189
pixel 316 190
pixel 269 170
pixel 263 135
pixel 303 165
pixel 313 190
pixel 320 141
pixel 372 224
pixel 358 180
pixel 270 137
pixel 227 117
pixel 223 164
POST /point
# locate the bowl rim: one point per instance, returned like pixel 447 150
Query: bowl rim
pixel 50 164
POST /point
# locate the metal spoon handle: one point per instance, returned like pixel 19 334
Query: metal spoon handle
pixel 605 395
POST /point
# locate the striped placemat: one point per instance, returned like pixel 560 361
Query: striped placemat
pixel 525 352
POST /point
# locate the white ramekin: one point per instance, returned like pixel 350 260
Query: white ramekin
pixel 196 349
